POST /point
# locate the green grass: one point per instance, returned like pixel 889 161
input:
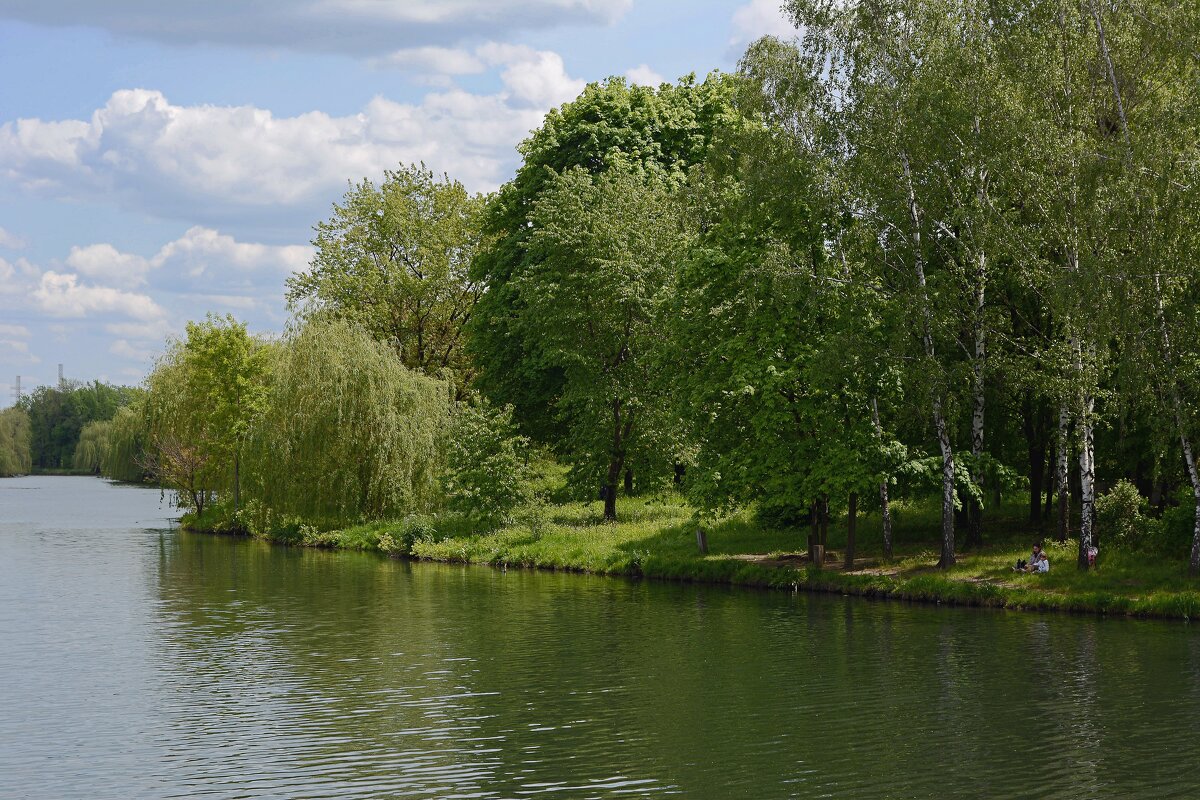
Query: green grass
pixel 655 537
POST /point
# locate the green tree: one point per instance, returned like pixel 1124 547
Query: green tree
pixel 605 247
pixel 394 259
pixel 15 442
pixel 347 433
pixel 58 414
pixel 487 462
pixel 665 129
pixel 204 396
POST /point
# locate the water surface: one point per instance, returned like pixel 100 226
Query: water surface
pixel 138 661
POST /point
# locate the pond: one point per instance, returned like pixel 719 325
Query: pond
pixel 141 661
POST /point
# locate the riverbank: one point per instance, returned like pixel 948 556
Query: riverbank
pixel 655 538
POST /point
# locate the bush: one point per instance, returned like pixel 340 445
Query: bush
pixel 1121 521
pixel 487 463
pixel 1175 530
pixel 413 529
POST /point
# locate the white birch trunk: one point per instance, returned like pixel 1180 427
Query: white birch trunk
pixel 977 367
pixel 885 509
pixel 1087 468
pixel 939 417
pixel 1061 476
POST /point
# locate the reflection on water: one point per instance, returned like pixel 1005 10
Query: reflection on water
pixel 144 662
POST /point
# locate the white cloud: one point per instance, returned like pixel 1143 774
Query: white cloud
pixel 535 78
pixel 201 249
pixel 15 277
pixel 153 330
pixel 62 295
pixel 439 60
pixel 124 349
pixel 760 18
pixel 11 241
pixel 14 330
pixel 199 253
pixel 355 27
pixel 642 75
pixel 242 167
pixel 105 263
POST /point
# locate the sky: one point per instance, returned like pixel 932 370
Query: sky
pixel 163 160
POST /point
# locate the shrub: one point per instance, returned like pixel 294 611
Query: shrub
pixel 487 463
pixel 1121 521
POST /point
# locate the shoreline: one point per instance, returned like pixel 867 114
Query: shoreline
pixel 921 585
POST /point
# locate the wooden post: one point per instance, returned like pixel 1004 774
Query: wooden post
pixel 702 540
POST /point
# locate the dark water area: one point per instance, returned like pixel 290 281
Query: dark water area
pixel 138 661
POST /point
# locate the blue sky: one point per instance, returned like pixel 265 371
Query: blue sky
pixel 163 160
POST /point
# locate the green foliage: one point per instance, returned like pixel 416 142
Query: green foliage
pixel 92 446
pixel 1120 518
pixel 204 396
pixel 124 453
pixel 663 130
pixel 606 248
pixel 393 259
pixel 347 432
pixel 15 442
pixel 487 462
pixel 59 414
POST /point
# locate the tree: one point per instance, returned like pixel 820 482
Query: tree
pixel 15 439
pixel 394 259
pixel 487 462
pixel 604 247
pixel 776 331
pixel 204 396
pixel 347 432
pixel 665 129
pixel 927 115
pixel 58 414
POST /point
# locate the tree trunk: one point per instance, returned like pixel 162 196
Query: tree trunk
pixel 1063 477
pixel 1033 425
pixel 237 483
pixel 947 560
pixel 824 506
pixel 628 482
pixel 885 509
pixel 939 420
pixel 851 528
pixel 610 494
pixel 1184 440
pixel 1087 489
pixel 616 463
pixel 975 510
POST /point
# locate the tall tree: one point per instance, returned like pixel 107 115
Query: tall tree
pixel 665 129
pixel 605 247
pixel 394 259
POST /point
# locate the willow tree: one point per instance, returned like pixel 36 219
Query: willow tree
pixel 15 443
pixel 124 453
pixel 393 258
pixel 348 433
pixel 606 247
pixel 92 447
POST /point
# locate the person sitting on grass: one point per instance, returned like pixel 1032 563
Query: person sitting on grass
pixel 1042 564
pixel 1028 566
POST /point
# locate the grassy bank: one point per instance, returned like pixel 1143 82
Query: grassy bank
pixel 655 538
